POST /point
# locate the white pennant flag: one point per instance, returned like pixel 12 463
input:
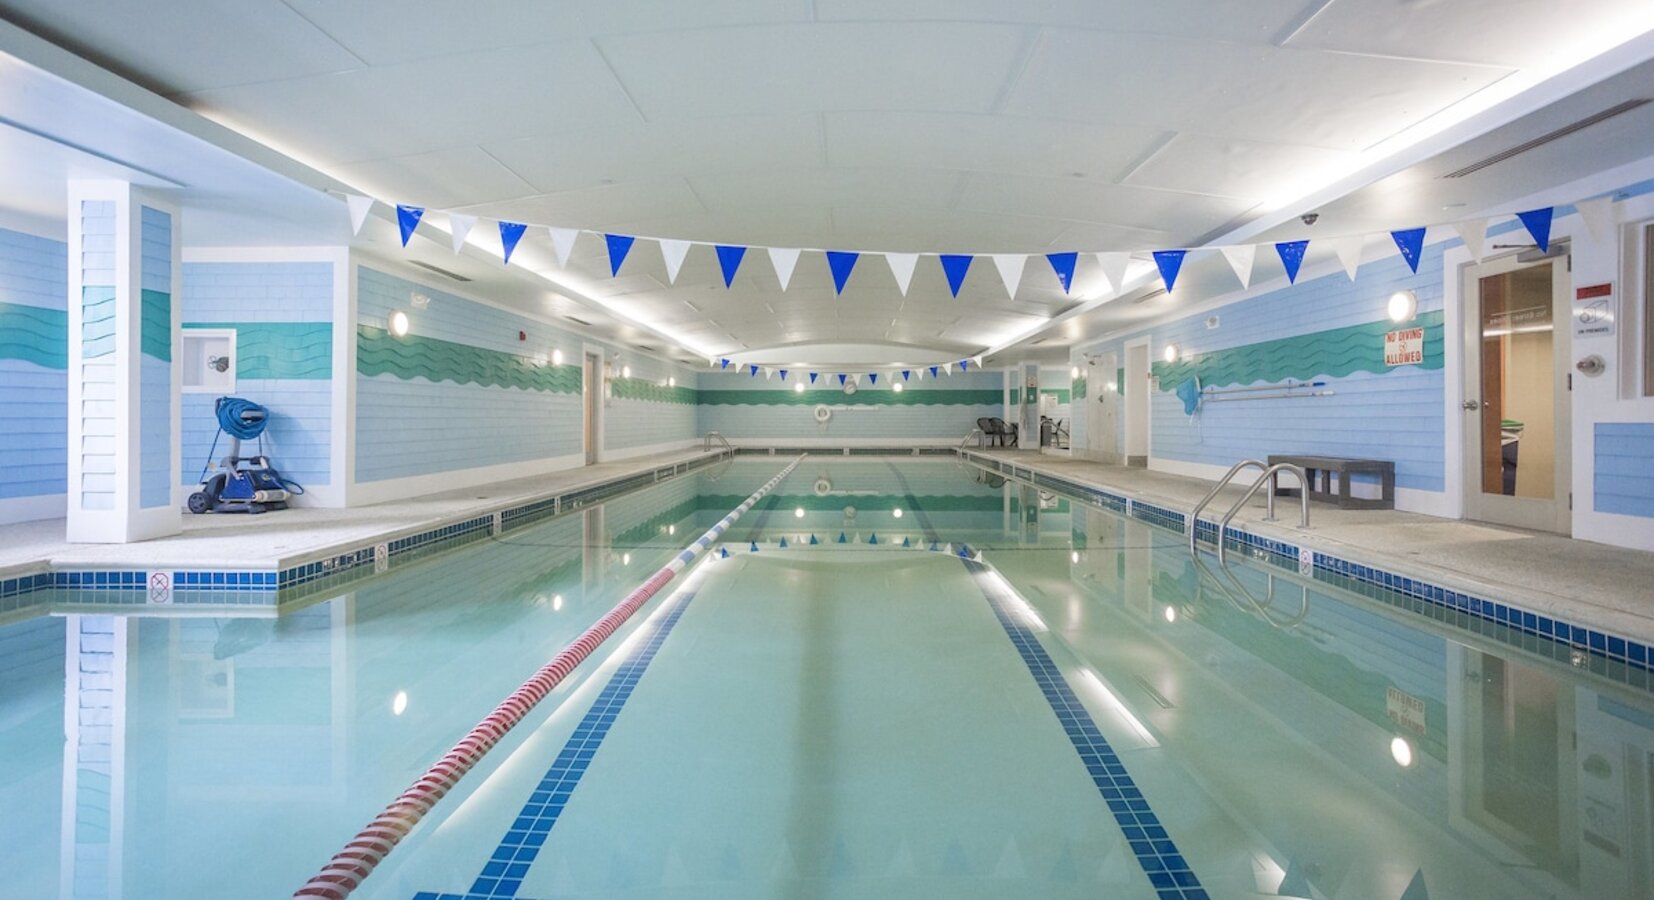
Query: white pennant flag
pixel 460 225
pixel 673 252
pixel 1010 270
pixel 1114 269
pixel 901 266
pixel 1474 235
pixel 1240 259
pixel 1348 250
pixel 359 208
pixel 784 259
pixel 562 240
pixel 1598 215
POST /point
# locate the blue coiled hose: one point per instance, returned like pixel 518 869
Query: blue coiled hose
pixel 245 420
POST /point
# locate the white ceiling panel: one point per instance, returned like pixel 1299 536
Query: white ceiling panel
pixel 1495 32
pixel 827 188
pixel 744 71
pixel 1202 164
pixel 179 47
pixel 601 207
pixel 460 176
pixel 1252 21
pixel 985 143
pixel 397 110
pixel 1081 201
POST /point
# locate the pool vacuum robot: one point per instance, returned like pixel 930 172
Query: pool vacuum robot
pixel 242 484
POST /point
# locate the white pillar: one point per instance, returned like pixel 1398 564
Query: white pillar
pixel 124 276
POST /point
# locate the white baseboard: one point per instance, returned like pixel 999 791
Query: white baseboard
pixel 1617 530
pixel 1429 503
pixel 31 509
pixel 366 493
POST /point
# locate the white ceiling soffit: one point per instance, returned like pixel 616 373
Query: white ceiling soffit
pixel 963 126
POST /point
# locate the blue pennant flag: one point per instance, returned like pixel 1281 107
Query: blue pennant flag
pixel 963 363
pixel 813 540
pixel 955 265
pixel 872 378
pixel 964 551
pixel 907 374
pixel 783 374
pixel 842 539
pixel 783 543
pixel 723 363
pixel 510 234
pixel 755 546
pixel 841 262
pixel 1169 261
pixel 753 370
pixel 1538 223
pixel 841 378
pixel 729 259
pixel 906 542
pixel 723 553
pixel 1292 256
pixel 1411 243
pixel 935 546
pixel 407 218
pixel 935 370
pixel 873 538
pixel 812 378
pixel 1063 264
pixel 619 246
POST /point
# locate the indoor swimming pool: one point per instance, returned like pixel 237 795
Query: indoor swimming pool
pixel 891 677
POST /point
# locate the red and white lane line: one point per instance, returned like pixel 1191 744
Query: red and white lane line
pixel 348 868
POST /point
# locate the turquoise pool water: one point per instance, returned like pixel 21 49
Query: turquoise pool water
pixel 1086 711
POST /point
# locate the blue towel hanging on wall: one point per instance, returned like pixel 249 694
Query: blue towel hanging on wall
pixel 1189 393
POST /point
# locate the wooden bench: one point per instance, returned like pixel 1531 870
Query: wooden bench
pixel 1321 488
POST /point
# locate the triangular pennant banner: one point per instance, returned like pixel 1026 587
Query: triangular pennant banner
pixel 407 218
pixel 901 266
pixel 812 378
pixel 768 373
pixel 754 371
pixel 1240 259
pixel 1474 235
pixel 1063 265
pixel 1114 269
pixel 619 246
pixel 729 260
pixel 963 363
pixel 1348 250
pixel 1598 215
pixel 723 363
pixel 955 265
pixel 1292 257
pixel 873 537
pixel 783 374
pixel 842 378
pixel 933 371
pixel 1010 270
pixel 562 241
pixel 510 234
pixel 907 374
pixel 673 252
pixel 359 206
pixel 1410 242
pixel 872 378
pixel 783 259
pixel 1538 223
pixel 1169 262
pixel 459 227
pixel 813 541
pixel 841 262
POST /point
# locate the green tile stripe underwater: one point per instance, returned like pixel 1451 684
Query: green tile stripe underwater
pixel 297 351
pixel 34 334
pixel 1333 353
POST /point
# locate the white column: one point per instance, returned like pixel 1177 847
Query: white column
pixel 124 277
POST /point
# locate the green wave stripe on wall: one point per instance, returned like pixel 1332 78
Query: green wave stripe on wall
pixel 1334 353
pixel 97 321
pixel 34 334
pixel 863 397
pixel 155 325
pixel 1079 388
pixel 652 392
pixel 416 356
pixel 298 351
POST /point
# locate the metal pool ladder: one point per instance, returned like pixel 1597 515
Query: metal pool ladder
pixel 1267 477
pixel 713 435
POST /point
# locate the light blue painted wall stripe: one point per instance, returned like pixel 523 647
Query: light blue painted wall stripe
pixel 1624 473
pixel 154 432
pixel 34 401
pixel 155 269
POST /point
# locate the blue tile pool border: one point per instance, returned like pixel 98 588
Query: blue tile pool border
pixel 503 874
pixel 1400 591
pixel 228 586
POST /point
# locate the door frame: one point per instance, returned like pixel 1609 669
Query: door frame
pixel 1137 387
pixel 592 360
pixel 1463 347
pixel 1103 445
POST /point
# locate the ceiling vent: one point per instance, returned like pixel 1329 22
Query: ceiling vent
pixel 454 276
pixel 1546 138
pixel 578 321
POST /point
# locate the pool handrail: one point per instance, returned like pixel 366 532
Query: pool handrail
pixel 348 868
pixel 1268 477
pixel 1194 515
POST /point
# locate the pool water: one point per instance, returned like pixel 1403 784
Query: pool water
pixel 1055 701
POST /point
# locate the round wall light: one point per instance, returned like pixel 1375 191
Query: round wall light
pixel 672 381
pixel 625 371
pixel 1074 372
pixel 1403 305
pixel 556 357
pixel 1401 750
pixel 798 388
pixel 1171 353
pixel 399 323
pixel 897 387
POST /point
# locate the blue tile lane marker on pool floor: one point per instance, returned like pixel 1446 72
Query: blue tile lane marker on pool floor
pixel 1168 871
pixel 504 872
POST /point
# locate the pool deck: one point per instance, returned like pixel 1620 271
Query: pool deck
pixel 1608 587
pixel 284 538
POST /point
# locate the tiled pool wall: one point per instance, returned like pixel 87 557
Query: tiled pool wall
pixel 127 587
pixel 1579 645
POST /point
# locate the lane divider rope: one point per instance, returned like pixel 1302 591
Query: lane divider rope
pixel 348 868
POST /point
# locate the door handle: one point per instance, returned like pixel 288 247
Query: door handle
pixel 1474 405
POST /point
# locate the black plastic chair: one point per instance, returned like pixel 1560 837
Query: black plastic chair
pixel 1007 433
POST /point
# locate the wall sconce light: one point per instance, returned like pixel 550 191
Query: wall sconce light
pixel 1074 372
pixel 798 388
pixel 1403 305
pixel 625 371
pixel 671 381
pixel 399 323
pixel 1171 353
pixel 556 357
pixel 895 386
